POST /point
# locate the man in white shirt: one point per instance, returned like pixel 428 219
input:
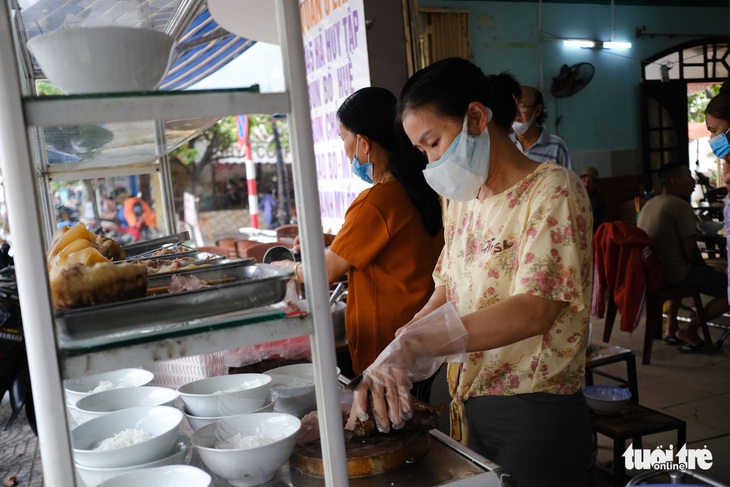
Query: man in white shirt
pixel 529 135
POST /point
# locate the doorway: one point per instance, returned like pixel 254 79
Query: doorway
pixel 668 80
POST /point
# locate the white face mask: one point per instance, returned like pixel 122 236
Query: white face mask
pixel 522 127
pixel 460 172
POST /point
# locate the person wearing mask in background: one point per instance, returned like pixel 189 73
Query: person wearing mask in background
pixel 530 135
pixel 717 119
pixel 671 224
pixel 589 176
pixel 392 235
pixel 513 286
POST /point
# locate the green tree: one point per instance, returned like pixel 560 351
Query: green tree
pixel 697 103
pixel 46 88
pixel 217 138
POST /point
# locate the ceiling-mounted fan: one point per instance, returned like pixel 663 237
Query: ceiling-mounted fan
pixel 572 79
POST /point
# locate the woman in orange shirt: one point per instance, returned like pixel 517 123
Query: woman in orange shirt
pixel 392 235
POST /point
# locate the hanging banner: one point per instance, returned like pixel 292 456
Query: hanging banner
pixel 336 56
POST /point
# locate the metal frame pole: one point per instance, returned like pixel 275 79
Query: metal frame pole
pixel 310 227
pixel 30 263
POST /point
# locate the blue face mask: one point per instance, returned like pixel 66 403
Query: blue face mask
pixel 720 145
pixel 363 171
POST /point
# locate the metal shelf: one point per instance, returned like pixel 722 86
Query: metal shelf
pixel 130 107
pixel 50 358
pixel 143 347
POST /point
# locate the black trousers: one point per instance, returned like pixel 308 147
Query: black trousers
pixel 542 439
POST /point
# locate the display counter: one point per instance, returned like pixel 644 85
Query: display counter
pixel 446 463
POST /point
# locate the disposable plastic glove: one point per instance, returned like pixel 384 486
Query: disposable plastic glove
pixel 414 355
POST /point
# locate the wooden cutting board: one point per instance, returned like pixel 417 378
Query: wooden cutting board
pixel 368 455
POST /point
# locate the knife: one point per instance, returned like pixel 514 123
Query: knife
pixel 354 382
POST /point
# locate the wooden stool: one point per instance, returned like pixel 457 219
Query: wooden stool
pixel 633 423
pixel 600 354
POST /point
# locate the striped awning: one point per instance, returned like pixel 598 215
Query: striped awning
pixel 202 50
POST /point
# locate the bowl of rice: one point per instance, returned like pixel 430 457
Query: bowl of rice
pixel 247 449
pixel 225 394
pixel 93 476
pixel 101 403
pixel 127 437
pixel 75 389
pixel 197 422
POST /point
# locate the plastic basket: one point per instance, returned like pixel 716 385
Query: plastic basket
pixel 177 372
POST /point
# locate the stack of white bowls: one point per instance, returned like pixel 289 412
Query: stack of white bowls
pixel 128 440
pixel 214 398
pixel 295 386
pixel 105 402
pixel 247 449
pixel 76 389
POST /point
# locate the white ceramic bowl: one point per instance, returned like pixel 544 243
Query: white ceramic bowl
pixel 101 403
pixel 270 439
pixel 161 423
pixel 606 400
pixel 197 422
pixel 168 476
pixel 295 386
pixel 114 379
pixel 97 476
pixel 206 397
pixel 103 59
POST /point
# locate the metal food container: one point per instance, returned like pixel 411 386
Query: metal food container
pixel 212 271
pixel 185 259
pixel 253 286
pixel 176 251
pixel 147 245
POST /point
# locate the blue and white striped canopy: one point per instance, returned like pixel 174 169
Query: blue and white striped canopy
pixel 202 50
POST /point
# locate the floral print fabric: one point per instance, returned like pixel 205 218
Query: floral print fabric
pixel 534 238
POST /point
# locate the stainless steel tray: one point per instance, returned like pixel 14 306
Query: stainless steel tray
pixel 215 270
pixel 190 258
pixel 260 285
pixel 181 251
pixel 142 247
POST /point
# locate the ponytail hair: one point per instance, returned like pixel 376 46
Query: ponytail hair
pixel 371 112
pixel 447 87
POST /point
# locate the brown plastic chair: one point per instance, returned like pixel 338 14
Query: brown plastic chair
pixel 243 245
pixel 228 243
pixel 287 232
pixel 258 250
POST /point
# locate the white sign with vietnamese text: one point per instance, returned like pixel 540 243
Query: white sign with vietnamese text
pixel 335 50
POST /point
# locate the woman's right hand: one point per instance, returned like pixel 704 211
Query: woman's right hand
pixel 296 246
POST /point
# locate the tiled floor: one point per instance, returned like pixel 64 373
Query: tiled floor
pixel 693 387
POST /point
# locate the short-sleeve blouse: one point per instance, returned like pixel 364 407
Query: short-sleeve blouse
pixel 534 238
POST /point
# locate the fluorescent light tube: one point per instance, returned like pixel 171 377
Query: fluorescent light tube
pixel 578 43
pixel 616 45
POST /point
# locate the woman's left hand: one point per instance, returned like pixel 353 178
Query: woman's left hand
pixel 414 355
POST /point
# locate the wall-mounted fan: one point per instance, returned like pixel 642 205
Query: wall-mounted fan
pixel 572 79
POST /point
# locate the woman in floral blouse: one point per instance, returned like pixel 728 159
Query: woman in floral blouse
pixel 516 266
